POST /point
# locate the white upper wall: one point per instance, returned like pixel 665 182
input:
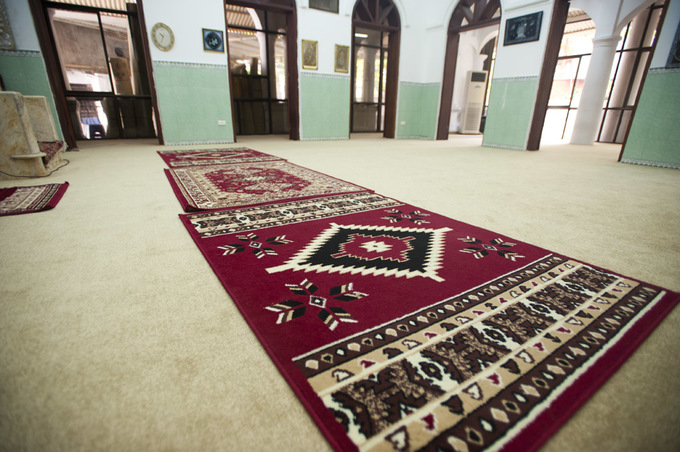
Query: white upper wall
pixel 187 21
pixel 328 29
pixel 21 22
pixel 526 59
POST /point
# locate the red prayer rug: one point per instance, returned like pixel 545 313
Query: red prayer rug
pixel 20 200
pixel 401 329
pixel 181 159
pixel 210 187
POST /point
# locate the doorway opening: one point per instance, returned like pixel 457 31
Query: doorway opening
pixel 105 79
pixel 262 43
pixel 375 62
pixel 474 25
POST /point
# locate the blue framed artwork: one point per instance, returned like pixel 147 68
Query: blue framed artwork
pixel 523 29
pixel 213 40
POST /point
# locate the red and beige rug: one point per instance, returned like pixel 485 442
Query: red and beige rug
pixel 184 158
pixel 401 329
pixel 218 186
pixel 36 198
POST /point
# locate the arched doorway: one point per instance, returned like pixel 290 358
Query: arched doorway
pixel 467 16
pixel 262 42
pixel 375 66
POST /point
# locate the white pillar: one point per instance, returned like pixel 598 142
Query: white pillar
pixel 595 86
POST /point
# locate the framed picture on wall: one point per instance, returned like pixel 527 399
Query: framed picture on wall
pixel 523 29
pixel 341 58
pixel 213 40
pixel 310 55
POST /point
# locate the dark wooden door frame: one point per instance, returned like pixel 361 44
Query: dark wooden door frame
pixel 552 50
pixel 291 56
pixel 55 75
pixel 372 14
pixel 481 17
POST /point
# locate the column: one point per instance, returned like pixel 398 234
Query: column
pixel 589 110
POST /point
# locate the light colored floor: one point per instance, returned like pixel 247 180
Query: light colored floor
pixel 115 334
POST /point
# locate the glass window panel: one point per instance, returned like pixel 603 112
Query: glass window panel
pixel 239 16
pixel 122 59
pixel 246 49
pixel 636 28
pixel 279 90
pixel 367 74
pixel 254 117
pixel 580 81
pixel 635 87
pixel 384 77
pixel 611 120
pixel 365 117
pixel 563 82
pixel 577 43
pixel 280 117
pixel 79 45
pixel 136 115
pixel 625 119
pixel 276 22
pixel 651 30
pixel 376 77
pixel 365 36
pixel 554 123
pixel 360 57
pixel 96 118
pixel 623 77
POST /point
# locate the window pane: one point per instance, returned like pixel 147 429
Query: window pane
pixel 121 53
pixel 365 36
pixel 365 117
pixel 276 22
pixel 651 31
pixel 580 81
pixel 239 16
pixel 246 49
pixel 635 87
pixel 81 52
pixel 563 82
pixel 279 80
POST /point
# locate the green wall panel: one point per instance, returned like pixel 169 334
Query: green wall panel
pixel 24 72
pixel 654 134
pixel 418 110
pixel 511 107
pixel 324 106
pixel 191 99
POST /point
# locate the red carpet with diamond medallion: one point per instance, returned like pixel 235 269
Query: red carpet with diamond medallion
pixel 401 329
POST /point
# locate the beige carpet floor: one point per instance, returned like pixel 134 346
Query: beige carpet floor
pixel 115 335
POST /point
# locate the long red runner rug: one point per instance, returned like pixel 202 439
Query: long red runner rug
pixel 185 158
pixel 30 199
pixel 401 329
pixel 218 186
